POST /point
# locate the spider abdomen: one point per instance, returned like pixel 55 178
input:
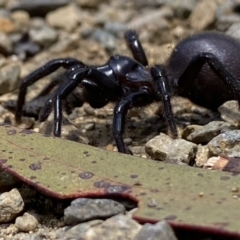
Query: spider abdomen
pixel 207 89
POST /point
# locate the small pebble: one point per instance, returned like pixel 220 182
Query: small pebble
pixel 116 227
pixel 161 230
pixel 89 126
pixel 201 194
pixel 127 141
pixel 88 110
pixel 26 223
pixel 164 148
pixel 234 189
pixel 11 204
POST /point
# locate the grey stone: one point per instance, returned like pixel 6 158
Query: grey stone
pixel 182 8
pixel 164 148
pixel 5 43
pixel 227 144
pixel 190 129
pixel 105 38
pixel 11 204
pixel 201 21
pixel 66 42
pixel 77 231
pixel 4 13
pixel 149 3
pixel 89 3
pixel 202 155
pixel 117 227
pixel 9 77
pixel 69 23
pixel 230 112
pixel 21 20
pixel 37 7
pixel 42 34
pixel 128 141
pixel 100 113
pixel 157 17
pixel 116 28
pixel 138 150
pixel 26 223
pixel 209 131
pixel 3 3
pixel 160 230
pixel 234 30
pixel 225 21
pixel 83 209
pixel 100 19
pixel 27 236
pixel 225 16
pixel 24 47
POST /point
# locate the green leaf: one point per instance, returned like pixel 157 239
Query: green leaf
pixel 187 197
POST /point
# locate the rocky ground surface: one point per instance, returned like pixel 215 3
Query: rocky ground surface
pixel 33 32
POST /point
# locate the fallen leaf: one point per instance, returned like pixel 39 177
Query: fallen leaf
pixel 188 198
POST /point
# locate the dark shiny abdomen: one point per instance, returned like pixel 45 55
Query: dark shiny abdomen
pixel 207 89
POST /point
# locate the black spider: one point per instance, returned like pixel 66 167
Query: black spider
pixel 204 68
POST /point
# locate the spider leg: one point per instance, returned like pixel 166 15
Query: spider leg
pixel 74 100
pixel 163 88
pixel 136 47
pixel 74 80
pixel 142 97
pixel 39 73
pixel 195 65
pixel 62 93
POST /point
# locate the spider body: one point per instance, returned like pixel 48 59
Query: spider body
pixel 203 68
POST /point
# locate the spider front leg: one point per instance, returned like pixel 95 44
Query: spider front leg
pixel 39 73
pixel 77 77
pixel 142 97
pixel 163 89
pixel 92 94
pixel 62 92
